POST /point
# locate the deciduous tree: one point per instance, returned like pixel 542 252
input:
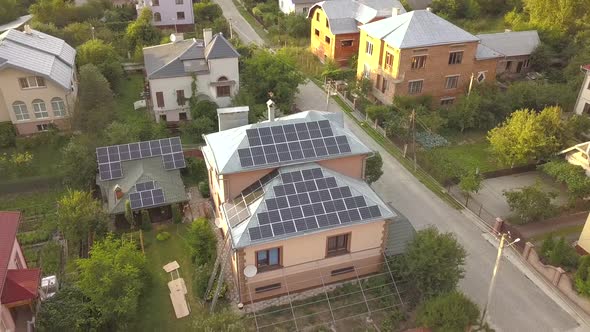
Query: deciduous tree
pixel 530 203
pixel 104 57
pixel 202 241
pixel 141 32
pixel 9 11
pixel 113 278
pixel 374 168
pixel 448 312
pixel 78 162
pixel 470 182
pixel 94 110
pixel 68 310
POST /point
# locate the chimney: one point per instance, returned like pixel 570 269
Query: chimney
pixel 232 117
pixel 395 11
pixel 429 9
pixel 28 29
pixel 207 35
pixel 270 105
pixel 118 192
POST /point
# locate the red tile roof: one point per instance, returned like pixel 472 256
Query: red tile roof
pixel 586 67
pixel 9 221
pixel 21 285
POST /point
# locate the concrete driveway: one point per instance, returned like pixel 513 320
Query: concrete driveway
pixel 518 304
pixel 491 194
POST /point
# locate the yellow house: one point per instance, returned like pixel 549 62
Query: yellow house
pixel 290 196
pixel 335 25
pixel 419 53
pixel 584 240
pixel 37 80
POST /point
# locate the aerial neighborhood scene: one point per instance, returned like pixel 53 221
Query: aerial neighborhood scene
pixel 294 165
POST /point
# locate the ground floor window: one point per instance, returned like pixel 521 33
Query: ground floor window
pixel 415 87
pixel 586 109
pixel 223 91
pixel 447 101
pixel 182 116
pixel 43 127
pixel 268 259
pixel 338 245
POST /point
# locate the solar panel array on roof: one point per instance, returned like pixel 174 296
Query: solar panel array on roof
pixel 306 201
pixel 237 209
pixel 109 158
pixel 146 198
pixel 289 142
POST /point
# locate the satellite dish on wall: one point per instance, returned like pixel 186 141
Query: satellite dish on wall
pixel 172 37
pixel 250 271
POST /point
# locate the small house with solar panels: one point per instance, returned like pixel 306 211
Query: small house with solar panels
pixel 147 174
pixel 291 202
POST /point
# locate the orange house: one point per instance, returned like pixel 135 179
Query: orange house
pixel 290 196
pixel 335 25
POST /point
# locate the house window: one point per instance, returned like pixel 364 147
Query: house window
pixel 508 65
pixel 58 107
pixel 182 116
pixel 451 82
pixel 268 259
pixel 317 32
pixel 43 127
pixel 447 101
pixel 526 63
pixel 17 261
pixel 338 245
pixel 160 99
pixel 369 48
pixel 586 109
pixel 267 288
pixel 31 82
pixel 343 270
pixel 304 10
pixel 346 43
pixel 180 100
pixel 455 58
pixel 327 39
pixel 327 24
pixel 223 90
pixel 155 2
pixel 415 87
pixel 157 17
pixel 481 77
pixel 179 2
pixel 367 71
pixel 180 15
pixel 20 111
pixel 317 17
pixel 39 109
pixel 388 60
pixel 418 61
pixel 384 85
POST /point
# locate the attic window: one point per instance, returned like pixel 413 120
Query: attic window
pixel 327 24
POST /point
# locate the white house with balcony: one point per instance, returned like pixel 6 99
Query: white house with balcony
pixel 38 85
pixel 171 69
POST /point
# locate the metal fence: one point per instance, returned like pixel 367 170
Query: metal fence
pixel 472 204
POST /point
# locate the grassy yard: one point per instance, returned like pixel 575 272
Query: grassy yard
pixel 471 156
pixel 156 312
pixel 126 96
pixel 483 24
pixel 570 233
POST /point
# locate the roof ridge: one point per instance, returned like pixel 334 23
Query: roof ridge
pixel 175 58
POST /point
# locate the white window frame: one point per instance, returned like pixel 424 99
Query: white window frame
pixel 20 111
pixel 58 107
pixel 40 109
pixel 451 79
pixel 483 74
pixel 369 48
pixel 366 71
pixel 32 82
pixel 445 101
pixel 418 62
pixel 451 53
pixel 44 127
pixel 414 91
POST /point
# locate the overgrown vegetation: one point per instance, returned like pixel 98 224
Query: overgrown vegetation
pixel 559 253
pixel 573 176
pixel 452 311
pixel 530 204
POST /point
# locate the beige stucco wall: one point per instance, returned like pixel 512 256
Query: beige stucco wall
pixel 584 240
pixel 350 166
pixel 6 321
pixel 304 260
pixel 11 91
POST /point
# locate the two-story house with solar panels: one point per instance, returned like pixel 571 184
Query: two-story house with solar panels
pixel 147 174
pixel 290 196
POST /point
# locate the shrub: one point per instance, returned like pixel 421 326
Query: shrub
pixel 146 221
pixel 448 312
pixel 176 214
pixel 202 241
pixel 430 140
pixel 559 253
pixel 201 279
pixel 195 171
pixel 51 258
pixel 7 135
pixel 573 176
pixel 204 189
pixel 163 236
pixel 581 279
pixel 530 203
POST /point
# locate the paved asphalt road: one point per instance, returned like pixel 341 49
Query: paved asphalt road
pixel 518 304
pixel 239 24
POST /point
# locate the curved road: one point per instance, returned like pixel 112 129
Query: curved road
pixel 240 26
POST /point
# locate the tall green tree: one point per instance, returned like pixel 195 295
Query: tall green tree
pixel 530 203
pixel 121 133
pixel 94 110
pixel 557 15
pixel 113 278
pixel 80 217
pixel 104 57
pixel 68 310
pixel 141 32
pixel 374 168
pixel 202 241
pixel 265 72
pixel 9 11
pixel 433 263
pixel 448 312
pixel 470 182
pixel 526 136
pixel 78 162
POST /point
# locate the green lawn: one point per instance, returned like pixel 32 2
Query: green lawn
pixel 471 156
pixel 126 96
pixel 482 24
pixel 156 312
pixel 32 202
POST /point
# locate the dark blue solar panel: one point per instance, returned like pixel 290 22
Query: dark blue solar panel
pixel 254 233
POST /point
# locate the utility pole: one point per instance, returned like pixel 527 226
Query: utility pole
pixel 494 274
pixel 413 117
